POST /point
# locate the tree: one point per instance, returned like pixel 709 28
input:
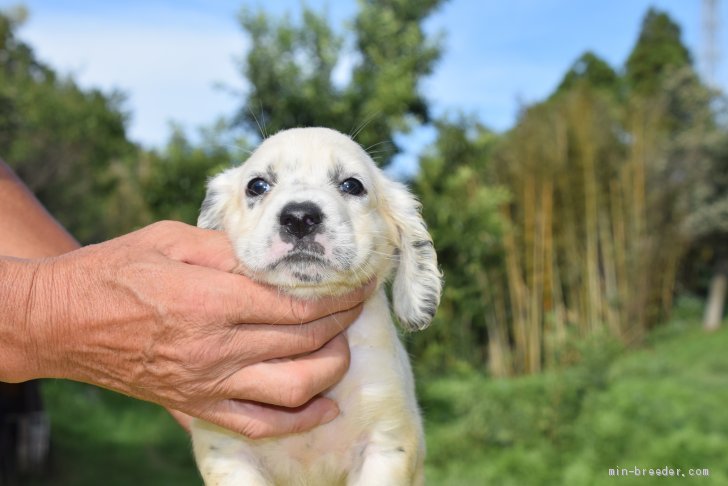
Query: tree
pixel 290 69
pixel 58 137
pixel 462 208
pixel 592 70
pixel 708 226
pixel 572 224
pixel 172 180
pixel 660 70
pixel 659 51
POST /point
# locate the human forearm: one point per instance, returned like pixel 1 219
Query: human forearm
pixel 28 230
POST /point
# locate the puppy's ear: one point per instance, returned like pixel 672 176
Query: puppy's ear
pixel 212 211
pixel 417 281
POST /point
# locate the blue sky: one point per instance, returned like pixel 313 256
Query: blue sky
pixel 170 57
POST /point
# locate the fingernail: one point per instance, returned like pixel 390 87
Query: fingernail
pixel 330 414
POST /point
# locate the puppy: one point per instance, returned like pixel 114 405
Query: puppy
pixel 310 213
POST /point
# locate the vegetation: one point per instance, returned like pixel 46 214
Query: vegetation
pixel 598 179
pixel 657 407
pixel 564 242
pixel 291 71
pixel 52 132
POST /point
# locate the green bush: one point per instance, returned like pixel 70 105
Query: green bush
pixel 652 408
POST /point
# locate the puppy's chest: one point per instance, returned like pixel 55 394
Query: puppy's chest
pixel 371 392
pixel 374 395
pixel 378 415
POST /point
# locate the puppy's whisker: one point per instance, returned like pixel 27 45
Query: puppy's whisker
pixel 257 122
pixel 368 149
pixel 368 119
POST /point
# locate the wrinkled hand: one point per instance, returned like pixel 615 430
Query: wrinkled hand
pixel 156 315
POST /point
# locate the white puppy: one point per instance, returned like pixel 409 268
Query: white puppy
pixel 310 213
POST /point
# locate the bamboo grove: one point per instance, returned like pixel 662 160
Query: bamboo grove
pixel 570 227
pixel 588 248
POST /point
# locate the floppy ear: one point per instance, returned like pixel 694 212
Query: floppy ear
pixel 212 211
pixel 417 281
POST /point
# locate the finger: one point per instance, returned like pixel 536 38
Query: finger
pixel 245 300
pixel 195 246
pixel 253 343
pixel 249 302
pixel 258 421
pixel 292 382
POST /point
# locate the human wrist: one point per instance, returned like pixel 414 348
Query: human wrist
pixel 19 350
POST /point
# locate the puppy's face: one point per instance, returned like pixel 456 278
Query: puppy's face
pixel 310 213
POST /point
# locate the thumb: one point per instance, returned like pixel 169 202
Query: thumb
pixel 195 246
pixel 257 420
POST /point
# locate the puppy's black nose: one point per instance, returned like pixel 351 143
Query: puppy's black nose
pixel 300 219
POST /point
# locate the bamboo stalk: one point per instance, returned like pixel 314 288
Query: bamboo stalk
pixel 516 291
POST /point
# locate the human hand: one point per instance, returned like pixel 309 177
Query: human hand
pixel 156 315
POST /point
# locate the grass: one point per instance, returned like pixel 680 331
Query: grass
pixel 102 437
pixel 663 405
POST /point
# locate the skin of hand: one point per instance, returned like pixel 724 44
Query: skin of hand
pixel 158 315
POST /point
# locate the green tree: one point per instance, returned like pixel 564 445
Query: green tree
pixel 660 71
pixel 290 69
pixel 172 180
pixel 592 70
pixel 708 226
pixel 659 51
pixel 599 178
pixel 462 209
pixel 58 137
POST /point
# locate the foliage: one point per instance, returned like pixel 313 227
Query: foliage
pixel 710 217
pixel 58 137
pixel 599 176
pixel 462 210
pixel 658 407
pixel 707 222
pixel 658 53
pixel 593 203
pixel 101 434
pixel 590 70
pixel 174 188
pixel 69 145
pixel 291 67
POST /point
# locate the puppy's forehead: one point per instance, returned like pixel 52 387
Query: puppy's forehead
pixel 309 151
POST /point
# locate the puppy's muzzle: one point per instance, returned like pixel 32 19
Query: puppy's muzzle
pixel 299 220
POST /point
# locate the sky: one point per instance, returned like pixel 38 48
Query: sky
pixel 178 60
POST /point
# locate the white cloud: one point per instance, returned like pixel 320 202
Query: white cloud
pixel 167 61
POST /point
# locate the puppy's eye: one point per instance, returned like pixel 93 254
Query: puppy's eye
pixel 352 186
pixel 257 186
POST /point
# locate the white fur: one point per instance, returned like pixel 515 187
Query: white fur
pixel 377 439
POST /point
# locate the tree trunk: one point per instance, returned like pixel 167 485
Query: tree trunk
pixel 716 296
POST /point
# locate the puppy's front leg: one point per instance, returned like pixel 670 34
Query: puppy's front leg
pixel 218 470
pixel 225 459
pixel 394 458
